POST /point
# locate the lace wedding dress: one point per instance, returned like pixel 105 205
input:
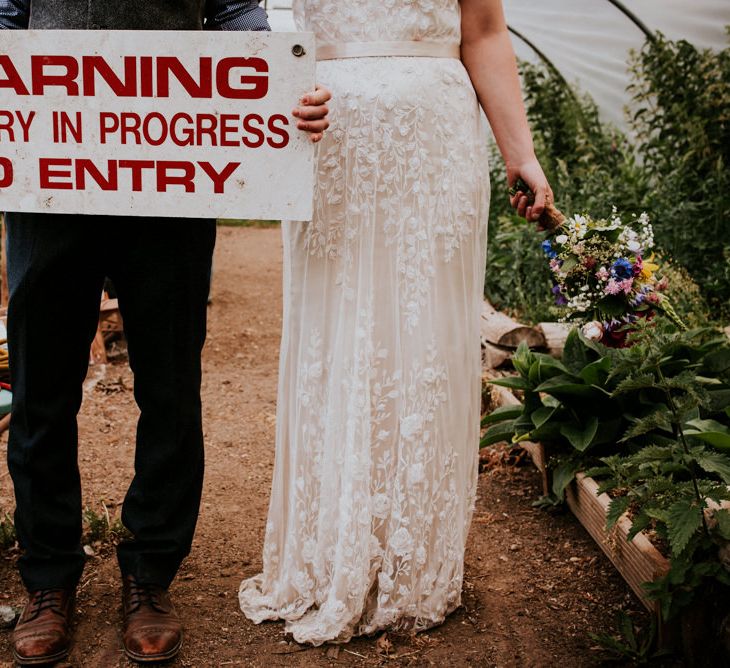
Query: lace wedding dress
pixel 379 393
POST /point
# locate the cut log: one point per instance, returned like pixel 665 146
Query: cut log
pixel 501 330
pixel 555 334
pixel 494 357
pixel 110 319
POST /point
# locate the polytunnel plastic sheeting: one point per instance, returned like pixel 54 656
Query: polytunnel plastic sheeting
pixel 589 41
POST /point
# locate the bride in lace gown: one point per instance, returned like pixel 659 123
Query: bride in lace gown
pixel 379 392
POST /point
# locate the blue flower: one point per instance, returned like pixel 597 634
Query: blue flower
pixel 547 248
pixel 622 269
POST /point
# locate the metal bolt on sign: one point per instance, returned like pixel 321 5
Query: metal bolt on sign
pixel 298 50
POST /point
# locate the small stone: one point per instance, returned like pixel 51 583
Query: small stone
pixel 575 560
pixel 89 551
pixel 514 547
pixel 8 616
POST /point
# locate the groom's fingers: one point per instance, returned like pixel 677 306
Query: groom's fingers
pixel 311 113
pixel 319 97
pixel 314 126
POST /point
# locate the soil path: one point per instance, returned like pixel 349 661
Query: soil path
pixel 536 585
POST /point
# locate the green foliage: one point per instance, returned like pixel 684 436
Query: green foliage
pixel 676 168
pixel 680 116
pixel 631 643
pixel 100 527
pixel 7 532
pixel 651 423
pixel 518 278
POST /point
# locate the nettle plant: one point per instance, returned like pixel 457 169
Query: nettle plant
pixel 652 423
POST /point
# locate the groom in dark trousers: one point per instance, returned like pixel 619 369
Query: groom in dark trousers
pixel 160 268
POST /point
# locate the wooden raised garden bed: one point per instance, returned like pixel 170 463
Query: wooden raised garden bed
pixel 637 561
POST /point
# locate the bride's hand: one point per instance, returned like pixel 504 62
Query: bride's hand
pixel 531 173
pixel 312 113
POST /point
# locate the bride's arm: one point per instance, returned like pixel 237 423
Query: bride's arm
pixel 486 50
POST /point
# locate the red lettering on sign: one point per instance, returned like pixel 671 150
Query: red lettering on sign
pixel 256 86
pixel 279 132
pixel 251 129
pixel 167 65
pixel 219 178
pixel 84 167
pixel 166 176
pixel 48 174
pixel 184 136
pixel 136 167
pixel 206 125
pixel 91 65
pixel 25 123
pixel 7 178
pixel 12 78
pixel 42 79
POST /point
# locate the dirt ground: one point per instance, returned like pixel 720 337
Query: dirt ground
pixel 536 585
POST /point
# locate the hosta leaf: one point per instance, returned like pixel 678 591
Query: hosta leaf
pixel 715 462
pixel 502 413
pixel 513 382
pixel 563 475
pixel 563 386
pixel 581 436
pixel 575 354
pixel 541 416
pixel 503 431
pixel 684 518
pixel 616 508
pixel 595 372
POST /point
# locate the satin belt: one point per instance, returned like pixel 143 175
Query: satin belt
pixel 380 49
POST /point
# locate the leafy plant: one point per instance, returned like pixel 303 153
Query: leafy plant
pixel 7 532
pixel 681 119
pixel 633 644
pixel 652 423
pixel 100 527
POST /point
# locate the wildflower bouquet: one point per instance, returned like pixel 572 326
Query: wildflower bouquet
pixel 605 276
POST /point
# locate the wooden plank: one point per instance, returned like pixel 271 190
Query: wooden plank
pixel 5 423
pixel 638 560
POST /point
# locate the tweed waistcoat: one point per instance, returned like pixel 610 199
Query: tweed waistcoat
pixel 117 14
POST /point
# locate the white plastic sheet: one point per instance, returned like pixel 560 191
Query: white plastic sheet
pixel 589 40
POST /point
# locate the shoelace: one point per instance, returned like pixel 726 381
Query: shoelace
pixel 46 599
pixel 144 594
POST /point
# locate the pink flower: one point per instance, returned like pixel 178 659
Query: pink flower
pixel 555 265
pixel 626 285
pixel 654 298
pixel 603 274
pixel 613 287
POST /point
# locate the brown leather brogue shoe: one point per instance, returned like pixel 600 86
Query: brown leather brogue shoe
pixel 43 632
pixel 152 630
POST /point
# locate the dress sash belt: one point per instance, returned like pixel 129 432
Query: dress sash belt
pixel 380 49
